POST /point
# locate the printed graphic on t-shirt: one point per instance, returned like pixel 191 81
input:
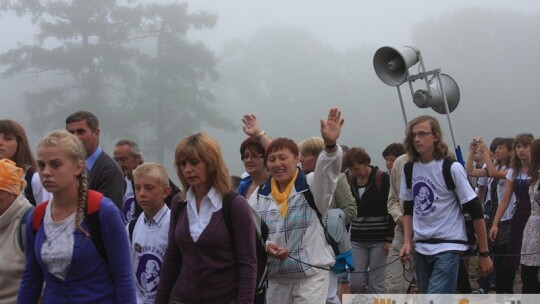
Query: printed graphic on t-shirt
pixel 129 209
pixel 423 198
pixel 147 276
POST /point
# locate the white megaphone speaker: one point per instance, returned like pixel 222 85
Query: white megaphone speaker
pixel 433 97
pixel 392 66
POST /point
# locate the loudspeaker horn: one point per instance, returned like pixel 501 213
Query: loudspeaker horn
pixel 433 97
pixel 392 65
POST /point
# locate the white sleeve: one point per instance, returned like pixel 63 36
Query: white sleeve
pixel 464 190
pixel 323 181
pixel 40 194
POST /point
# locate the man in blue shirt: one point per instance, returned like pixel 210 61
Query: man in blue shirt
pixel 104 174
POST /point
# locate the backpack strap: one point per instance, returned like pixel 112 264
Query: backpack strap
pixel 447 173
pixel 91 217
pixel 28 191
pixel 378 179
pixel 37 216
pixel 94 223
pixel 407 170
pixel 311 201
pixel 138 209
pixel 22 228
pixel 228 200
pixel 131 227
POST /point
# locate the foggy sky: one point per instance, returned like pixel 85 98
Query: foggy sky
pixel 343 25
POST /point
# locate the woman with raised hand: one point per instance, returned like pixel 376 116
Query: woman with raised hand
pixel 14 146
pixel 80 260
pixel 300 256
pixel 207 261
pixel 492 177
pixel 252 155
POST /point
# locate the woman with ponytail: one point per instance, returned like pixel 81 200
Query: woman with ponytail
pixel 61 252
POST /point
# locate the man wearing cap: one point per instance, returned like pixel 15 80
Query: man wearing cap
pixel 14 208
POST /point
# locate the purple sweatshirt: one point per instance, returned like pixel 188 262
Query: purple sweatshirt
pixel 219 267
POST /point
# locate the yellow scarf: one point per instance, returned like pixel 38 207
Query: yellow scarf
pixel 282 197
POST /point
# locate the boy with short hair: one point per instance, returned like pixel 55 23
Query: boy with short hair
pixel 149 232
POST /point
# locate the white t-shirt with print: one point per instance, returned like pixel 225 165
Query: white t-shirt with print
pixel 436 214
pixel 147 252
pixel 128 208
pixel 486 181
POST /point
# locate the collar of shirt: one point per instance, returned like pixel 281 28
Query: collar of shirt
pixel 91 160
pixel 157 220
pixel 213 196
pixel 198 220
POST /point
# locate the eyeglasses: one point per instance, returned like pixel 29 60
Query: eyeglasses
pixel 252 155
pixel 420 134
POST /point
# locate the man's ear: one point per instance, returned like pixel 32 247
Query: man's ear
pixel 97 132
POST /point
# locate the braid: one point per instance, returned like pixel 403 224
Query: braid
pixel 81 204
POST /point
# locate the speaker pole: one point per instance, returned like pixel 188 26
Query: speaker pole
pixel 402 106
pixel 457 148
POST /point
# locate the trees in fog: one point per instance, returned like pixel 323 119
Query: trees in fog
pixel 79 58
pixel 172 97
pixel 129 64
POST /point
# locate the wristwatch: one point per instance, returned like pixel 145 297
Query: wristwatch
pixel 483 253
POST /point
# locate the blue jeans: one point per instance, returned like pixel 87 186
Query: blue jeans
pixel 437 274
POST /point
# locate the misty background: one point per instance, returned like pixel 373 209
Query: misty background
pixel 156 72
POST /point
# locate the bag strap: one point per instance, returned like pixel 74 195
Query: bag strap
pixel 447 174
pixel 22 228
pixel 407 171
pixel 228 200
pixel 28 191
pixel 94 223
pixel 131 227
pixel 378 179
pixel 311 201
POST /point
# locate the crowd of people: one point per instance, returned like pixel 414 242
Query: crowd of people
pixel 80 226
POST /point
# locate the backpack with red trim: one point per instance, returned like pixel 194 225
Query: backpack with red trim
pixel 91 217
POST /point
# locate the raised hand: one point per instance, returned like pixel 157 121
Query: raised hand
pixel 331 128
pixel 251 125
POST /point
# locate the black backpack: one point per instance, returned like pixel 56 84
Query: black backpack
pixel 28 191
pixel 260 240
pixel 472 239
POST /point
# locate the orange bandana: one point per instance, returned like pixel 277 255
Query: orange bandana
pixel 11 177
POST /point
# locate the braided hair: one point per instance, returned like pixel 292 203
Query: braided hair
pixel 75 150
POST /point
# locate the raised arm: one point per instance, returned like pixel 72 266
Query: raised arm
pixel 469 167
pixel 253 129
pixel 327 169
pixel 331 129
pixel 490 166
